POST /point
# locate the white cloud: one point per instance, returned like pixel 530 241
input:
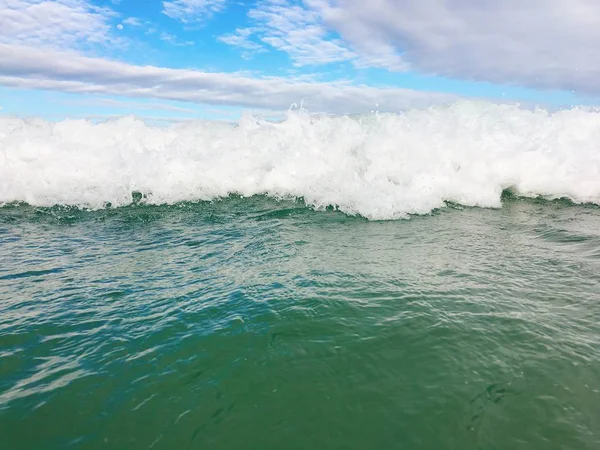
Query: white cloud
pixel 32 68
pixel 536 43
pixel 301 33
pixel 188 11
pixel 297 32
pixel 241 39
pixel 56 23
pixel 133 21
pixel 172 39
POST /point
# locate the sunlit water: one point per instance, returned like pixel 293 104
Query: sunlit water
pixel 256 324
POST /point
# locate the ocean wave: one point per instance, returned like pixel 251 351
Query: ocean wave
pixel 380 166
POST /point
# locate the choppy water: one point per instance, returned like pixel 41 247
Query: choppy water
pixel 256 324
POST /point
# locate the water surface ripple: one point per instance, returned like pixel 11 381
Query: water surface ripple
pixel 255 324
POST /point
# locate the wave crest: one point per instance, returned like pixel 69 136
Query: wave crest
pixel 381 166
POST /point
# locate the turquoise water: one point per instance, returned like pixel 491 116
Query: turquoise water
pixel 256 324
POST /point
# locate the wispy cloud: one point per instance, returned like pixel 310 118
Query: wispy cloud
pixel 241 38
pixel 189 11
pixel 297 31
pixel 55 23
pixel 32 68
pixel 292 29
pixel 301 32
pixel 172 39
pixel 132 21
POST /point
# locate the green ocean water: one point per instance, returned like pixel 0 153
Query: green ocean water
pixel 257 324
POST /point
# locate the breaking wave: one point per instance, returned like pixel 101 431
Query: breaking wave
pixel 380 166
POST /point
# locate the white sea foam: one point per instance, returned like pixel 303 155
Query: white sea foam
pixel 379 166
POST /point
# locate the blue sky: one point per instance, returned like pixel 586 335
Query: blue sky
pixel 182 59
